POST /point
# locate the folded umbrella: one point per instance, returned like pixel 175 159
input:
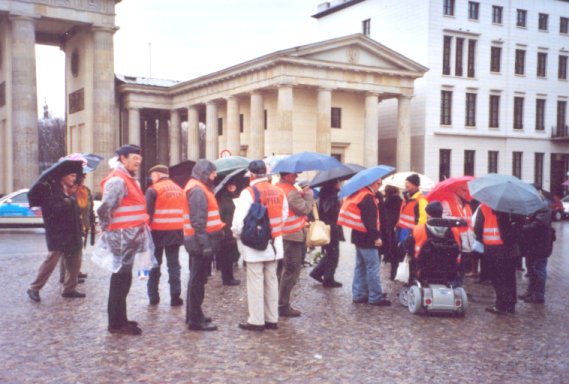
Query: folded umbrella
pixel 452 185
pixel 306 161
pixel 364 178
pixel 343 172
pixel 42 187
pixel 226 165
pixel 507 194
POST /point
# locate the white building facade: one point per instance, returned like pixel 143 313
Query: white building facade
pixel 495 97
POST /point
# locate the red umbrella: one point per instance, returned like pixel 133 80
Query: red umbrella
pixel 452 185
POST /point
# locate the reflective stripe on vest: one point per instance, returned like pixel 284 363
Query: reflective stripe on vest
pixel 293 222
pixel 272 198
pixel 168 213
pixel 491 231
pixel 350 215
pixel 214 222
pixel 407 217
pixel 131 211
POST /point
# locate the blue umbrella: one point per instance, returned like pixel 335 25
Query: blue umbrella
pixel 343 172
pixel 506 194
pixel 364 178
pixel 306 161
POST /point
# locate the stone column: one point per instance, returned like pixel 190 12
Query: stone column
pixel 103 130
pixel 193 133
pixel 175 134
pixel 163 138
pixel 285 103
pixel 324 122
pixel 371 135
pixel 403 133
pixel 24 103
pixel 256 148
pixel 134 126
pixel 211 136
pixel 233 135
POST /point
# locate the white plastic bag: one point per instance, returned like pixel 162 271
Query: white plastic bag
pixel 403 271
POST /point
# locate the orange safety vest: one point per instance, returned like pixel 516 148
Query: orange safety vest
pixel 214 222
pixel 169 207
pixel 407 218
pixel 273 199
pixel 462 212
pixel 491 234
pixel 293 222
pixel 131 211
pixel 350 215
pixel 420 236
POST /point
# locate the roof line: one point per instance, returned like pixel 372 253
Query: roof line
pixel 336 8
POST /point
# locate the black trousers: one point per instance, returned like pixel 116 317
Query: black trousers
pixel 328 264
pixel 199 268
pixel 504 282
pixel 224 260
pixel 118 291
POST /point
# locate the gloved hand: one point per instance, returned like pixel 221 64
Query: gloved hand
pixel 208 254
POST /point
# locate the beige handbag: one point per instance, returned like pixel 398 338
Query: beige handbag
pixel 318 231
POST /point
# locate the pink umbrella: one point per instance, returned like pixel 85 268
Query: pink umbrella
pixel 566 183
pixel 452 185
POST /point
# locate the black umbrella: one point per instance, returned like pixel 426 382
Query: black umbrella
pixel 44 184
pixel 339 173
pixel 237 177
pixel 181 172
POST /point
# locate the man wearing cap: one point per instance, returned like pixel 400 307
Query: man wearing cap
pixel 299 206
pixel 203 232
pixel 164 203
pixel 124 222
pixel 412 208
pixel 262 282
pixel 360 212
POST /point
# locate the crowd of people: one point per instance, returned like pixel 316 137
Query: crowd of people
pixel 384 226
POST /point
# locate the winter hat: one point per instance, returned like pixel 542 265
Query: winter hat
pixel 258 167
pixel 159 168
pixel 127 149
pixel 414 179
pixel 434 209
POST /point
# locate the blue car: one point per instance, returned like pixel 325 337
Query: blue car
pixel 15 211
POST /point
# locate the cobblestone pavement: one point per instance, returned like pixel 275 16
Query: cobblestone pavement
pixel 334 341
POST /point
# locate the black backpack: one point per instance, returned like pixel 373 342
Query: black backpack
pixel 256 225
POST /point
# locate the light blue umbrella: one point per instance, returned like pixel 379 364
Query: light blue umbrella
pixel 507 194
pixel 226 165
pixel 365 178
pixel 306 161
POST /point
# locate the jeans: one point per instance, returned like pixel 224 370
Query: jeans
pixel 366 281
pixel 537 271
pixel 173 262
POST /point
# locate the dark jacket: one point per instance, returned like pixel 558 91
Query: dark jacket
pixel 328 210
pixel 389 209
pixel 537 239
pixel 369 213
pixel 161 238
pixel 201 243
pixel 510 232
pixel 61 216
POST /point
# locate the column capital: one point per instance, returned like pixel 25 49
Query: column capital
pixel 406 96
pixel 22 18
pixel 107 29
pixel 256 92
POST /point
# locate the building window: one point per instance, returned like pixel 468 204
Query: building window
pixel 561 121
pixel 241 123
pixel 517 164
pixel 473 9
pixel 564 25
pixel 448 7
pixel 336 117
pixel 520 61
pixel 471 57
pixel 265 120
pixel 219 126
pixel 538 169
pixel 521 18
pixel 458 56
pixel 540 114
pixel 541 64
pixel 469 162
pixel 492 161
pixel 562 71
pixel 497 14
pixel 446 107
pixel 494 114
pixel 495 59
pixel 444 164
pixel 518 112
pixel 366 27
pixel 470 110
pixel 542 21
pixel 446 55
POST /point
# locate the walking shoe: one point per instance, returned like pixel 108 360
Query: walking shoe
pixel 497 311
pixel 271 325
pixel 533 300
pixel 82 275
pixel 363 300
pixel 34 295
pixel 127 329
pixel 132 323
pixel 205 326
pixel 315 276
pixel 80 281
pixel 176 301
pixel 381 303
pixel 332 284
pixel 232 282
pixel 154 300
pixel 289 312
pixel 251 327
pixel 73 295
pixel 524 296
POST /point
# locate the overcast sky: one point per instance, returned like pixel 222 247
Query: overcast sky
pixel 186 39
